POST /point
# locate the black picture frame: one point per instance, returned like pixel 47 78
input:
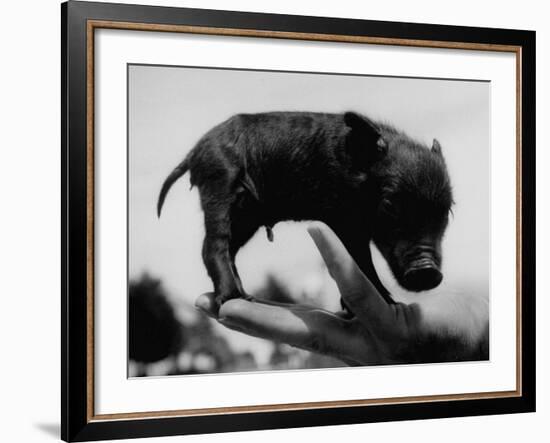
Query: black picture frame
pixel 77 423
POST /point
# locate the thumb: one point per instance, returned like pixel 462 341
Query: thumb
pixel 360 295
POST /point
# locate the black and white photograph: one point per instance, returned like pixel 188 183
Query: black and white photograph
pixel 305 220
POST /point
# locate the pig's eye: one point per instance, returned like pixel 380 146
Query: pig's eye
pixel 388 209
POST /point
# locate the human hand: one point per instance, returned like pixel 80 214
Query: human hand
pixel 379 332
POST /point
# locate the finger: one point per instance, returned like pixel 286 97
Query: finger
pixel 311 329
pixel 360 295
pixel 206 303
pixel 294 305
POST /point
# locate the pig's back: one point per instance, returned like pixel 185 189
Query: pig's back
pixel 279 128
pixel 294 159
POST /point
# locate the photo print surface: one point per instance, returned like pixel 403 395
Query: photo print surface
pixel 274 152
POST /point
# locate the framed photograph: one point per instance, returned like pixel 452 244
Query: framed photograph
pixel 276 221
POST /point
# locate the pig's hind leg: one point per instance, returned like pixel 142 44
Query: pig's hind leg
pixel 229 223
pixel 244 224
pixel 215 249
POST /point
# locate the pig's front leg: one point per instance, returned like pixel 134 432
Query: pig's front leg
pixel 367 266
pixel 358 245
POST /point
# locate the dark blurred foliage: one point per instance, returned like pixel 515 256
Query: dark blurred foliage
pixel 154 331
pixel 273 290
pixel 168 337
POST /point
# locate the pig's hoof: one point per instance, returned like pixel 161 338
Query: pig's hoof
pixel 346 314
pixel 223 297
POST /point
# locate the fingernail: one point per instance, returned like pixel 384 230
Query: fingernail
pixel 200 302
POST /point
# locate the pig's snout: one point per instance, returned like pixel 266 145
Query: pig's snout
pixel 422 279
pixel 422 274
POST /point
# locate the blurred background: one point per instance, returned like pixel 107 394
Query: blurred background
pixel 170 108
pixel 167 336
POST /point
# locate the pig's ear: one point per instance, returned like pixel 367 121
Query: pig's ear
pixel 436 147
pixel 364 140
